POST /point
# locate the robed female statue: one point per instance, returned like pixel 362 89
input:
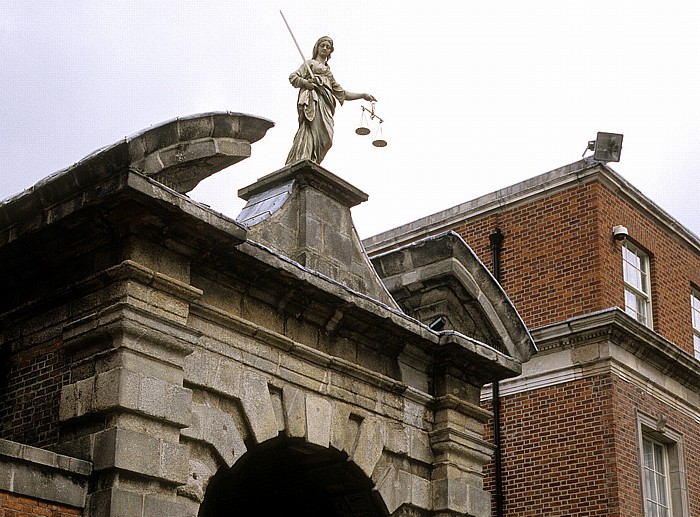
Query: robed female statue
pixel 318 92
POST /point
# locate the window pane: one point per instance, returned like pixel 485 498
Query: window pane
pixel 695 304
pixel 653 495
pixel 637 286
pixel 660 467
pixel 644 279
pixel 648 454
pixel 630 256
pixel 633 276
pixel 659 457
pixel 655 478
pixel 695 310
pixel 636 306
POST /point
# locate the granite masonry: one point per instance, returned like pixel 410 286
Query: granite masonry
pixel 160 358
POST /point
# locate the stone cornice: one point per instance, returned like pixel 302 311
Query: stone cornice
pixel 582 171
pixel 132 270
pixel 611 343
pixel 617 327
pixel 451 402
pixel 484 362
pixel 141 325
pixel 80 188
pixel 307 353
pixel 308 173
pixel 477 356
pixel 183 151
pixel 125 271
pixel 179 153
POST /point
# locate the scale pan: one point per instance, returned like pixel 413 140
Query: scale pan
pixel 362 131
pixel 379 143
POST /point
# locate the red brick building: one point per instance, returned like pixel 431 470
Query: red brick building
pixel 605 419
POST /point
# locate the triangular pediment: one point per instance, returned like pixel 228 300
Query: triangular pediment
pixel 441 277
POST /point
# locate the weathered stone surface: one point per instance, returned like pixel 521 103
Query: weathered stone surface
pixel 295 409
pixel 303 212
pixel 142 454
pixel 126 389
pixel 219 429
pixel 34 472
pixel 182 152
pixel 194 344
pixel 370 444
pixel 199 475
pixel 114 501
pixel 395 487
pixel 457 497
pixel 257 404
pixel 344 429
pixel 319 413
pixel 118 501
pixel 399 488
pixel 162 506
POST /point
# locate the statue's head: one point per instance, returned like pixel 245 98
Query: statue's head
pixel 318 43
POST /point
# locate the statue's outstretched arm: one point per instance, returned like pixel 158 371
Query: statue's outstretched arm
pixel 350 96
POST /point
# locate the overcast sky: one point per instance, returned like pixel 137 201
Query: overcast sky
pixel 476 96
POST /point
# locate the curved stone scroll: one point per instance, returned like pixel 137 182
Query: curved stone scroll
pixel 183 151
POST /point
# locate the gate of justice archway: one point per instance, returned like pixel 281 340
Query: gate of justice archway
pixel 211 366
pixel 284 477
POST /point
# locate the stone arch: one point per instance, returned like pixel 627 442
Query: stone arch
pixel 271 422
pixel 290 475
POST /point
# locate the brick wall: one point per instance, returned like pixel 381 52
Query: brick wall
pixel 674 268
pixel 559 259
pixel 12 505
pixel 572 449
pixel 30 394
pixel 625 399
pixel 557 451
pixel 548 268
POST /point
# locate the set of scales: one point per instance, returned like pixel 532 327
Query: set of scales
pixel 365 114
pixel 363 130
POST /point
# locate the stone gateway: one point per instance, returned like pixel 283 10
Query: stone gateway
pixel 183 363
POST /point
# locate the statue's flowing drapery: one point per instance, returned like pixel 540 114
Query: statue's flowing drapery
pixel 316 109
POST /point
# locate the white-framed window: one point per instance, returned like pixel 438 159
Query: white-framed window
pixel 637 283
pixel 662 468
pixel 657 500
pixel 695 308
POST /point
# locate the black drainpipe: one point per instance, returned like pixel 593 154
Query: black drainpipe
pixel 496 240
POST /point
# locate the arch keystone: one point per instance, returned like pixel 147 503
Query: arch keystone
pixel 319 414
pixel 370 444
pixel 294 407
pixel 258 407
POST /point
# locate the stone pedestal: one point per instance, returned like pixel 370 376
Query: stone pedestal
pixel 302 212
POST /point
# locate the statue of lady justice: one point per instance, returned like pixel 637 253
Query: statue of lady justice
pixel 318 92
